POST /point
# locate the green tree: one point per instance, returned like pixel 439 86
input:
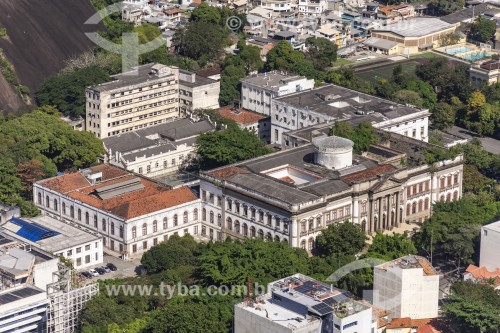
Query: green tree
pixel 231 263
pixel 425 91
pixel 229 146
pixel 170 254
pixel 443 116
pixel 389 247
pixel 284 57
pixel 445 7
pixel 321 51
pixel 473 308
pixel 206 13
pixel 482 29
pixel 201 41
pixel 230 84
pixel 340 239
pixel 362 135
pixel 408 97
pixel 67 91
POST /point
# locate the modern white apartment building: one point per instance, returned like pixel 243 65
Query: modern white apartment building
pixel 277 6
pixel 407 287
pixel 133 100
pixel 258 90
pixel 299 304
pixel 490 246
pixel 130 213
pixel 82 247
pixel 294 194
pixel 197 92
pixel 312 7
pixel 156 150
pixel 331 102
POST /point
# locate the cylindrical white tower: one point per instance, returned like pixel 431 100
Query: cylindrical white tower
pixel 333 152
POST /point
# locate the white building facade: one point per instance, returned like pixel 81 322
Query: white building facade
pixel 312 7
pixel 490 246
pixel 257 91
pixel 407 287
pixel 197 92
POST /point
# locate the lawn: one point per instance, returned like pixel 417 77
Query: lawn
pixel 425 55
pixel 384 72
pixel 340 62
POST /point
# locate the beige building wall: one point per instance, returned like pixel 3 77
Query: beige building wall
pixel 133 102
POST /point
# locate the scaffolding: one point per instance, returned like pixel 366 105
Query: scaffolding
pixel 66 301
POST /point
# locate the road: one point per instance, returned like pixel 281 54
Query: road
pixel 489 144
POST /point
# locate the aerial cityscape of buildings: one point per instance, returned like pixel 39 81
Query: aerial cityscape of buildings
pixel 358 142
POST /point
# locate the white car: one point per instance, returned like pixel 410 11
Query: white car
pixel 93 272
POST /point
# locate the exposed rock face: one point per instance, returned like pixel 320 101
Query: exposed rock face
pixel 42 35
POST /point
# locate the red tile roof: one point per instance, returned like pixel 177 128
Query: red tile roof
pixel 407 322
pixel 369 173
pixel 172 11
pixel 151 198
pixel 227 172
pixel 428 329
pixel 242 116
pixel 482 272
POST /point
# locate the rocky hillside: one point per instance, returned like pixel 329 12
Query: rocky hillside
pixel 42 34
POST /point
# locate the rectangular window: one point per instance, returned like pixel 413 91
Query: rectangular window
pixel 145 245
pixel 134 248
pixel 87 247
pixel 78 250
pixel 87 259
pixel 78 262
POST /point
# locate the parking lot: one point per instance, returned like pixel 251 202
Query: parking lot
pixel 129 268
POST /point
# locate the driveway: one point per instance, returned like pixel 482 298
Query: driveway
pixel 489 144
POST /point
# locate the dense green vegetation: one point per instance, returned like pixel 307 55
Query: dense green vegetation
pixel 473 308
pixel 229 146
pixel 362 135
pixel 482 29
pixel 35 146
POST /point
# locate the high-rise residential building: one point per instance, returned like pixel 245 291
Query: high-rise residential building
pixel 133 100
pixel 407 287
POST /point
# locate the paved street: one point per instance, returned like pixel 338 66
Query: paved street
pixel 489 144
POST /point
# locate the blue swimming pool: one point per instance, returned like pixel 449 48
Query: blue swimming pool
pixel 459 50
pixel 476 56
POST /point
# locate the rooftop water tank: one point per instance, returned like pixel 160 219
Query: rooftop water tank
pixel 333 152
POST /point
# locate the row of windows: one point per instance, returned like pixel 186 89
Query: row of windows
pixel 448 181
pixel 175 222
pixel 78 250
pixel 165 164
pixel 418 188
pixel 414 208
pixel 155 104
pixel 78 261
pixel 158 94
pixel 338 213
pixel 128 92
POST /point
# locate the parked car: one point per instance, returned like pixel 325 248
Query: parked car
pixel 100 270
pixel 112 267
pixel 87 275
pixel 93 272
pixel 106 269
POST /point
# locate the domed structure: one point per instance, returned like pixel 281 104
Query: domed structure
pixel 333 152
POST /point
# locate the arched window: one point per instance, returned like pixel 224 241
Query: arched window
pixel 134 232
pixel 455 196
pixel 203 214
pixel 112 228
pixel 155 226
pixel 195 214
pixel 39 198
pixel 245 210
pixel 165 223
pixel 229 224
pixel 318 222
pixel 185 217
pixel 449 180
pixel 87 218
pixel 237 206
pixel 455 178
pixel 72 211
pixel 95 221
pixel 47 203
pixel 229 204
pixel 420 205
pixel 175 220
pixel 269 237
pixel 442 182
pixel 303 226
pixel 310 244
pixel 55 204
pixel 79 214
pixel 237 226
pixel 261 233
pixel 311 224
pixel 408 209
pixel 414 208
pixel 203 231
pixel 303 244
pixel 441 198
pixel 426 203
pixel 448 197
pixel 64 208
pixel 276 238
pixel 103 225
pixel 252 212
pixel 211 217
pixel 219 220
pixel 121 231
pixel 252 231
pixel 245 229
pixel 144 229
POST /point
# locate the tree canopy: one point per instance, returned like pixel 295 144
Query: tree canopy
pixel 321 51
pixel 340 239
pixel 229 146
pixel 362 135
pixel 389 247
pixel 482 29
